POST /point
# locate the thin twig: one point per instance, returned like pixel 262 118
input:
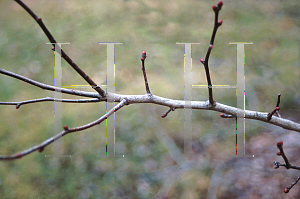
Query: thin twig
pixel 217 24
pixel 287 189
pixel 40 147
pixel 277 105
pixel 48 87
pixel 276 110
pixel 144 71
pixel 222 115
pixel 18 104
pixel 64 55
pixel 287 164
pixel 166 113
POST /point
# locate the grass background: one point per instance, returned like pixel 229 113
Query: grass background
pixel 155 165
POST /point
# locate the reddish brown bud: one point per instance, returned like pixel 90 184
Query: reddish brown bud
pixel 277 108
pixel 66 127
pixel 144 55
pixel 202 60
pixel 286 190
pixel 19 155
pixel 39 19
pixel 162 116
pixel 222 114
pixel 220 4
pixel 214 8
pixel 41 149
pixel 142 59
pixel 278 153
pixel 211 46
pixel 279 144
pixel 53 48
pixel 220 22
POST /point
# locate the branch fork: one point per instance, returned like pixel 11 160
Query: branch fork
pixel 276 110
pixel 287 164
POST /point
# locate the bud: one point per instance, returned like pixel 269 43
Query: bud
pixel 41 150
pixel 214 8
pixel 202 61
pixel 144 55
pixel 211 46
pixel 286 190
pixel 222 114
pixel 279 144
pixel 278 153
pixel 220 22
pixel 277 108
pixel 39 19
pixel 66 127
pixel 220 4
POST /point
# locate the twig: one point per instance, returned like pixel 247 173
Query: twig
pixel 217 24
pixel 222 115
pixel 279 145
pixel 144 71
pixel 40 147
pixel 18 104
pixel 287 189
pixel 287 165
pixel 48 87
pixel 64 55
pixel 277 105
pixel 276 110
pixel 166 113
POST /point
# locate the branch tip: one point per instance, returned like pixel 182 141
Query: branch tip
pixel 279 144
pixel 144 71
pixel 286 190
pixel 220 4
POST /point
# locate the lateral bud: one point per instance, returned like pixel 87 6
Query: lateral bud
pixel 214 8
pixel 220 4
pixel 40 150
pixel 66 128
pixel 220 22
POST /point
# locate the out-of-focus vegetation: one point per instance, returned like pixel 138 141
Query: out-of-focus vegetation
pixel 154 163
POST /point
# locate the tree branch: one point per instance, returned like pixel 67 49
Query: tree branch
pixel 18 104
pixel 63 54
pixel 287 164
pixel 40 147
pixel 48 87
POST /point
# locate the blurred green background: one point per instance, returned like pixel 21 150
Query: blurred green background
pixel 154 164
